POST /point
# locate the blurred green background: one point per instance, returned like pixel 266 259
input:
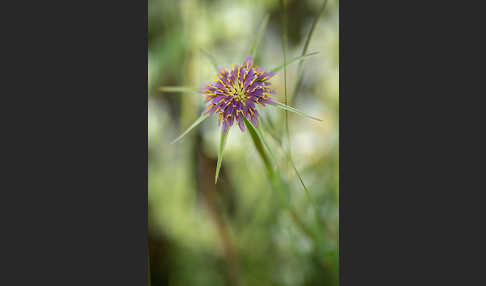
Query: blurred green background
pixel 237 232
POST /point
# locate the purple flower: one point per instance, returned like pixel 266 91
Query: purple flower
pixel 237 92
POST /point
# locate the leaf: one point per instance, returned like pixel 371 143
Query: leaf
pixel 196 123
pixel 222 143
pixel 276 69
pixel 179 89
pixel 259 36
pixel 211 58
pixel 289 108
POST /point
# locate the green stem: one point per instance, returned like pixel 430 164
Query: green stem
pixel 259 147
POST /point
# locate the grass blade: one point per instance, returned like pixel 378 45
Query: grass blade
pixel 196 123
pixel 222 143
pixel 301 180
pixel 311 31
pixel 289 108
pixel 179 89
pixel 259 36
pixel 211 58
pixel 300 73
pixel 276 69
pixel 319 234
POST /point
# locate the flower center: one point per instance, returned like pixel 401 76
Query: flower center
pixel 239 93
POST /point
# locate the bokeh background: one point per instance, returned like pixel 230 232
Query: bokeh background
pixel 237 232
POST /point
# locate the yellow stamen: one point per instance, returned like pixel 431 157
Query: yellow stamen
pixel 222 82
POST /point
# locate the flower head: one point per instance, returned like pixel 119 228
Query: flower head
pixel 237 92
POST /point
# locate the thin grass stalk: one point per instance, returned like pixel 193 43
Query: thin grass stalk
pixel 317 236
pixel 183 89
pixel 287 134
pixel 300 71
pixel 256 41
pixel 300 58
pixel 315 233
pixel 269 127
pixel 211 59
pixel 280 186
pixel 275 179
pixel 284 51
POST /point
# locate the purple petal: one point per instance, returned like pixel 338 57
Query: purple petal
pixel 248 60
pixel 253 120
pixel 270 101
pixel 241 124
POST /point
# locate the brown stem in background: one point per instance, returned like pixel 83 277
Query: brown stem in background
pixel 211 194
pixel 159 249
pixel 148 267
pixel 225 237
